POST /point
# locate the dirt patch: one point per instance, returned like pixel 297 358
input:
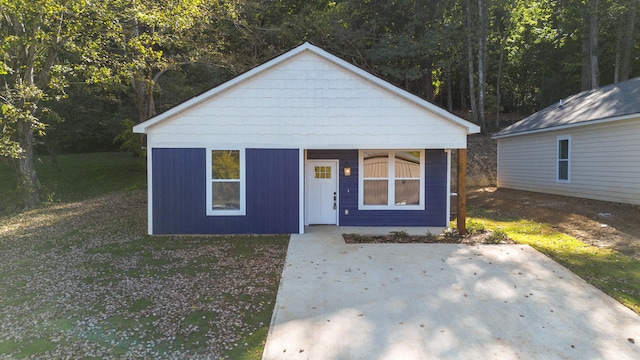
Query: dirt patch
pixel 482 162
pixel 598 223
pixel 481 237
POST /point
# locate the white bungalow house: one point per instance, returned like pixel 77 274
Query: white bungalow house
pixel 587 145
pixel 305 138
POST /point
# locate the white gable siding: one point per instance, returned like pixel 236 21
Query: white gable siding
pixel 605 162
pixel 309 103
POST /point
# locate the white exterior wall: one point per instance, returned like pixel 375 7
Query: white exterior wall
pixel 308 103
pixel 604 162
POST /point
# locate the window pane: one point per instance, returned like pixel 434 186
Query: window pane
pixel 225 164
pixel 408 164
pixel 407 192
pixel 323 172
pixel 563 170
pixel 375 192
pixel 376 164
pixel 563 149
pixel 226 195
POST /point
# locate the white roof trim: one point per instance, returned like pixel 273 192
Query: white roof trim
pixel 144 126
pixel 570 126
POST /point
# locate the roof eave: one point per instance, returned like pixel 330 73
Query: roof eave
pixel 568 126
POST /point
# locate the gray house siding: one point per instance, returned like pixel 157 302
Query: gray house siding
pixel 604 161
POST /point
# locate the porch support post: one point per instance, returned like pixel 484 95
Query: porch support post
pixel 462 191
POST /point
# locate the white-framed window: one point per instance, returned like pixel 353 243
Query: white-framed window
pixel 563 169
pixel 391 180
pixel 226 186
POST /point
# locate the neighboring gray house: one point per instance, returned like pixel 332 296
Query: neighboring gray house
pixel 587 145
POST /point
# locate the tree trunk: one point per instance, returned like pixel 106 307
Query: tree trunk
pixel 585 78
pixel 449 91
pixel 143 89
pixel 472 85
pixel 482 59
pixel 463 90
pixel 617 59
pixel 53 155
pixel 594 69
pixel 428 81
pixel 627 42
pixel 498 81
pixel 590 70
pixel 28 183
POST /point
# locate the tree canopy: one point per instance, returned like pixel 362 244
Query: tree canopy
pixel 76 74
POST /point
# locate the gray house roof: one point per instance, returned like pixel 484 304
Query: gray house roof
pixel 608 103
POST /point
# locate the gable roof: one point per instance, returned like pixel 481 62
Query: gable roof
pixel 608 103
pixel 306 47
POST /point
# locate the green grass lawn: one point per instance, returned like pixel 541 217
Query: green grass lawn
pixel 612 272
pixel 79 277
pixel 81 176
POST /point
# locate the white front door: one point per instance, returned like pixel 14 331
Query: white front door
pixel 321 192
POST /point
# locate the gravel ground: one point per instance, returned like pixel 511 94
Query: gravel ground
pixel 83 280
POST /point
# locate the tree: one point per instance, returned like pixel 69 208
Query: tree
pixel 590 68
pixel 33 34
pixel 137 42
pixel 470 63
pixel 624 17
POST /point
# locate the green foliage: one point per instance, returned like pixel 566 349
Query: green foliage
pixel 475 227
pixel 129 141
pixel 432 237
pixel 399 234
pixel 82 176
pixel 450 232
pixel 18 106
pixel 497 236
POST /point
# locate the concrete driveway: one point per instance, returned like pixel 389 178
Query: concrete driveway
pixel 439 301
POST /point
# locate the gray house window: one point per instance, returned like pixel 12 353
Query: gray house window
pixel 564 158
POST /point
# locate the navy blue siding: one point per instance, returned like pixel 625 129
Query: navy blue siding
pixel 179 193
pixel 434 214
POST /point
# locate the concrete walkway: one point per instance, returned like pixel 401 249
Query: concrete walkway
pixel 438 301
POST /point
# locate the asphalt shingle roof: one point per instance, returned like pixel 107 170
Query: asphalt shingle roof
pixel 606 102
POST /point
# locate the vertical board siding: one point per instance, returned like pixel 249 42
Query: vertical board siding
pixel 435 210
pixel 179 191
pixel 604 162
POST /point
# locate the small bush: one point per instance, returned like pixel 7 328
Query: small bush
pixel 497 236
pixel 474 227
pixel 431 236
pixel 450 232
pixel 399 234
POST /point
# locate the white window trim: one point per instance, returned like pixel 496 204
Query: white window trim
pixel 391 179
pixel 568 179
pixel 243 198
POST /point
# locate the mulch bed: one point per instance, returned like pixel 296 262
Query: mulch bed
pixel 484 237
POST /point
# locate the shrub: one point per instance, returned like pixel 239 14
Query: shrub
pixel 399 234
pixel 431 236
pixel 450 232
pixel 497 236
pixel 474 227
